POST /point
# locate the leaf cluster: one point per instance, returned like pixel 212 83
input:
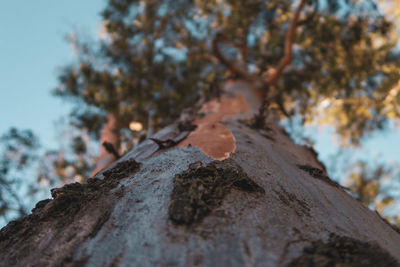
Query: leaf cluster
pixel 154 59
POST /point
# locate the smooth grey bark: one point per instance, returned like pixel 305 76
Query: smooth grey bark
pixel 285 212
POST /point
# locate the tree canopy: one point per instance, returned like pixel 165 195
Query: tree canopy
pixel 155 59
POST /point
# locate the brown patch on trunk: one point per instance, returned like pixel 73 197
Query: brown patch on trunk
pixel 109 135
pixel 210 136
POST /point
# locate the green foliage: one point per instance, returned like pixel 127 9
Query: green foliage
pixel 27 172
pixel 364 182
pixel 154 59
pixel 147 68
pixel 73 162
pixel 377 187
pixel 18 153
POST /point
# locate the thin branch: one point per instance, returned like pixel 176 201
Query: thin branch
pixel 288 57
pixel 260 118
pixel 283 63
pixel 311 16
pixel 243 48
pixel 229 65
pixel 111 149
pixel 16 198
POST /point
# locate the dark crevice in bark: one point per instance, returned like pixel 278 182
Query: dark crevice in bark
pixel 264 131
pixel 122 170
pixel 186 126
pixel 289 199
pixel 99 224
pixel 70 261
pixel 315 155
pixel 319 174
pixel 343 251
pixel 200 189
pixel 70 203
pixel 393 226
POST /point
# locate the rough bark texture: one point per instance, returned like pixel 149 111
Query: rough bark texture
pixel 269 204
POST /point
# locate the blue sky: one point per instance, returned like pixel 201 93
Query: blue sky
pixel 32 47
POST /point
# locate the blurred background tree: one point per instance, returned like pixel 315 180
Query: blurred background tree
pixel 18 152
pixel 154 59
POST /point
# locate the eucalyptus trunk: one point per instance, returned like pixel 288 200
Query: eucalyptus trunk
pixel 222 194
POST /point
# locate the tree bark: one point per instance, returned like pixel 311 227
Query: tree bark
pixel 267 203
pixel 109 135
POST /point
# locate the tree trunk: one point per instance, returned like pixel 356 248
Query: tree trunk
pixel 109 136
pixel 256 200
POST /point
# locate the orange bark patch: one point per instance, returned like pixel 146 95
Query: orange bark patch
pixel 210 136
pixel 108 134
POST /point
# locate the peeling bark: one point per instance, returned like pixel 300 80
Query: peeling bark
pixel 222 143
pixel 180 207
pixel 109 136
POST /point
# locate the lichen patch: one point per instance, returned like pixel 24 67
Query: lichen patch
pixel 210 136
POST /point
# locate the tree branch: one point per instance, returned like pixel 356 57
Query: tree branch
pixel 288 57
pixel 111 149
pixel 229 65
pixel 243 48
pixel 311 16
pixel 283 63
